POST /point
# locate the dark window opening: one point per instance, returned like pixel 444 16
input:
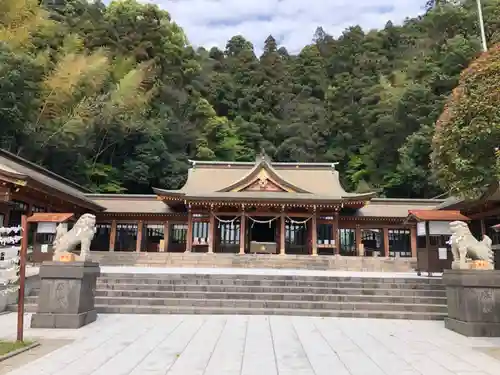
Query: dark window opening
pixel 126 237
pixel 399 243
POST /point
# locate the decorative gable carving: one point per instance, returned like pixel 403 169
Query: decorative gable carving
pixel 262 182
pixel 263 177
pixel 263 185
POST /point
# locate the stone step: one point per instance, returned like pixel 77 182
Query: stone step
pixel 341 296
pixel 388 305
pixel 321 262
pixel 272 289
pixel 273 296
pixel 130 309
pixel 277 277
pixel 321 305
pixel 270 283
pixel 140 309
pixel 286 293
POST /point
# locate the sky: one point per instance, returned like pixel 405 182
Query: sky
pixel 292 22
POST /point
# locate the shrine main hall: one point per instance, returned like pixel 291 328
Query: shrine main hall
pixel 260 207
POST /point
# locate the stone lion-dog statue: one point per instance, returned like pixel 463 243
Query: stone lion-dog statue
pixel 464 245
pixel 82 233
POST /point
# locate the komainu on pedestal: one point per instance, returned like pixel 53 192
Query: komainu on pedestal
pixel 469 253
pixel 67 291
pixel 82 233
pixel 472 285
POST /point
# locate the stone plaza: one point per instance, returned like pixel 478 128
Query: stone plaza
pixel 247 345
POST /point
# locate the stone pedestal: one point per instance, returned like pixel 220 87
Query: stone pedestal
pixel 473 302
pixel 67 295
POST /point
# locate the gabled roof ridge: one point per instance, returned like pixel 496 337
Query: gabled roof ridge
pixel 259 164
pixel 218 163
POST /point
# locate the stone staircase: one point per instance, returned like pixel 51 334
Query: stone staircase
pixel 363 297
pixel 219 260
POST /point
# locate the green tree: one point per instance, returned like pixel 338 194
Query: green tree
pixel 113 96
pixel 468 130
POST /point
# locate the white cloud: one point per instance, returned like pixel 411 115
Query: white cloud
pixel 214 22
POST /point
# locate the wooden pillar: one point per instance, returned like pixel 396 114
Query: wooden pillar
pixel 112 236
pixel 243 239
pixel 386 242
pixel 138 242
pixel 217 238
pixel 282 234
pixel 337 234
pixel 333 235
pixel 358 240
pixel 428 248
pixel 166 236
pixel 189 234
pixel 22 277
pixel 211 233
pixel 413 240
pixel 314 234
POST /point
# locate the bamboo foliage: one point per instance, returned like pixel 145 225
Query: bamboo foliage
pixel 81 91
pixel 130 96
pixel 74 76
pixel 80 98
pixel 19 20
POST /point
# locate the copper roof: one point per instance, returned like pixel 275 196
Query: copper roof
pixel 308 180
pixel 378 207
pixel 130 203
pixel 253 195
pixel 437 215
pixel 451 203
pixel 396 208
pixel 23 169
pixel 491 194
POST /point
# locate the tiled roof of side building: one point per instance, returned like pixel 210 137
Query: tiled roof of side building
pixel 491 193
pixel 13 164
pixel 130 203
pixel 396 207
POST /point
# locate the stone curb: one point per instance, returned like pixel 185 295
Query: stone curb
pixel 19 351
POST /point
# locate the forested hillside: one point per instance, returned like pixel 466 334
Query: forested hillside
pixel 115 98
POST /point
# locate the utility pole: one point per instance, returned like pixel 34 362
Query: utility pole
pixel 481 25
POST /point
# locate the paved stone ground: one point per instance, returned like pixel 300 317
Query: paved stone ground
pixel 46 347
pixel 242 345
